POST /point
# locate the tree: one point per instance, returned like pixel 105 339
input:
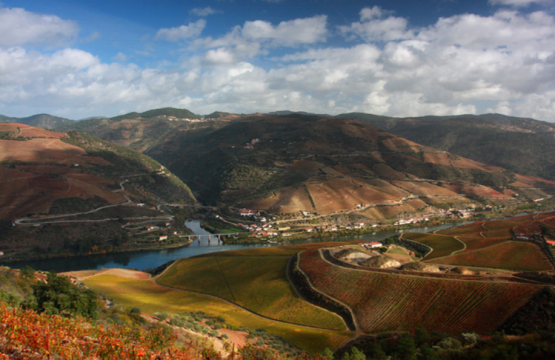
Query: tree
pixel 406 348
pixel 376 352
pixel 356 354
pixel 28 272
pixel 327 353
pixel 546 229
pixel 427 353
pixel 421 336
pixel 59 296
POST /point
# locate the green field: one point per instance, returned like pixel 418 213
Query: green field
pixel 151 298
pixel 258 283
pixel 442 245
pixel 509 255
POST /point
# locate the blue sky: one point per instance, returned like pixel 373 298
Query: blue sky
pixel 402 58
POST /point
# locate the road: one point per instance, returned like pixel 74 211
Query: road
pixel 40 221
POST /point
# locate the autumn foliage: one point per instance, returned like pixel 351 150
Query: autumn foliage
pixel 25 334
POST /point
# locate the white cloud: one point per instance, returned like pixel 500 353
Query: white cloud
pixel 19 27
pixel 182 32
pixel 204 11
pixel 259 37
pixel 293 32
pixel 219 56
pixel 460 64
pixel 517 3
pixel 121 57
pixel 373 27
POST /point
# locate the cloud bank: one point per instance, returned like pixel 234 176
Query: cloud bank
pixel 460 64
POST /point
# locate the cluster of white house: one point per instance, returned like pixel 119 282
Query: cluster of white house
pixel 173 118
pixel 371 245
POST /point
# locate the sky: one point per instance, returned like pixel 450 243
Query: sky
pixel 78 59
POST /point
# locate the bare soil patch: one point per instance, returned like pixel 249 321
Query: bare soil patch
pixel 126 273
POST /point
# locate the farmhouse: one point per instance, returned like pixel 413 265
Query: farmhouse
pixel 248 212
pixel 162 238
pixel 550 242
pixel 309 230
pixel 1 253
pixel 372 245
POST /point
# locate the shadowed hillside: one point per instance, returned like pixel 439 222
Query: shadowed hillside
pixel 320 164
pixel 520 145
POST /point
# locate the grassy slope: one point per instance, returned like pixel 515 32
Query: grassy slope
pixel 443 245
pixel 257 283
pixel 509 255
pixel 151 298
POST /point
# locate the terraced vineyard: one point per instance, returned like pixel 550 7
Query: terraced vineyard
pixel 529 228
pixel 152 298
pixel 510 255
pixel 477 241
pixel 388 302
pixel 489 245
pixel 442 245
pixel 465 229
pixel 258 283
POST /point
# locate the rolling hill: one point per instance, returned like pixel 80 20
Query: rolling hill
pixel 40 168
pixel 44 121
pixel 520 145
pixel 324 165
pixel 142 131
pixel 46 176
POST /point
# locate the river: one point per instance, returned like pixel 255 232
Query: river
pixel 152 259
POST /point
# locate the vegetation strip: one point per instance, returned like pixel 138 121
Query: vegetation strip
pixel 226 283
pixel 302 284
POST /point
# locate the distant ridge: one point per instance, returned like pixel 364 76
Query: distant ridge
pixel 178 113
pixel 44 121
pixel 522 145
pixel 288 112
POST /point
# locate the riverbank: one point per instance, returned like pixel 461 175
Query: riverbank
pixel 295 236
pixel 153 258
pixel 43 257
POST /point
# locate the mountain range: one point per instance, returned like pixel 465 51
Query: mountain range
pixel 294 161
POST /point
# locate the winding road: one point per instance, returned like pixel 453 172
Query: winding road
pixel 40 221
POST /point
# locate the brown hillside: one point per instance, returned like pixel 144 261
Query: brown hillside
pixel 287 164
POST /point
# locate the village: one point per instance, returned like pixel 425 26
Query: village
pixel 261 226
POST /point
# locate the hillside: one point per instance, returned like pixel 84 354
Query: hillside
pixel 520 145
pixel 143 131
pixel 286 164
pixel 44 121
pixel 47 176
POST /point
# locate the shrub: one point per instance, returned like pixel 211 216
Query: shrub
pixel 135 311
pixel 59 296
